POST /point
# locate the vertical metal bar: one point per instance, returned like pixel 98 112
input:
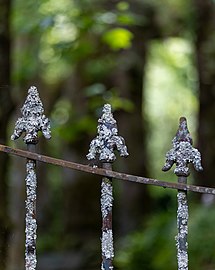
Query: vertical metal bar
pixel 182 225
pixel 106 209
pixel 32 121
pixel 182 154
pixel 30 218
pixel 104 145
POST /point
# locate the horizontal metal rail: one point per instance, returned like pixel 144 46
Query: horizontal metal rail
pixel 104 172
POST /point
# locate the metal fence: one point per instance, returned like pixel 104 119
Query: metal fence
pixel 103 147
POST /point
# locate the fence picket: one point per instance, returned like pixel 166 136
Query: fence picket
pixel 32 121
pixel 103 146
pixel 182 154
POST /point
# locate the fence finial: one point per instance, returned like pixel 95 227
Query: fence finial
pixel 33 119
pixel 107 139
pixel 104 145
pixel 182 152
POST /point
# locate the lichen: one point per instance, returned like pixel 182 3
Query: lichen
pixel 31 224
pixel 182 260
pixel 33 119
pixel 107 139
pixel 107 244
pixel 182 224
pixel 107 235
pixel 182 152
pixel 106 197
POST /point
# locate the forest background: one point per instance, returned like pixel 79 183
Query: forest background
pixel 153 61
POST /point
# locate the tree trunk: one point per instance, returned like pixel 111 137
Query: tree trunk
pixel 5 111
pixel 130 79
pixel 205 51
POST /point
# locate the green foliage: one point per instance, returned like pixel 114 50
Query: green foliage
pixel 61 34
pixel 99 95
pixel 118 38
pixel 62 117
pixel 122 6
pixel 202 238
pixel 153 247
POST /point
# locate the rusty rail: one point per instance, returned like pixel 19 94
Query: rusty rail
pixel 104 172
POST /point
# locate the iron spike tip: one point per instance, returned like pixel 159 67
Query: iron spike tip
pixel 182 152
pixel 182 119
pixel 107 139
pixel 183 134
pixel 33 120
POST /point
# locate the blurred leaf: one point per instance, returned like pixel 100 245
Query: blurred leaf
pixel 123 5
pixel 121 103
pixel 106 17
pixel 118 38
pixel 126 19
pixel 95 89
pixel 79 127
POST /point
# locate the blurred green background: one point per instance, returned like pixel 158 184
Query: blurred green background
pixel 153 61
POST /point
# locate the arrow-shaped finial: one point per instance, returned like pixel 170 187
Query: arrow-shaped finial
pixel 182 152
pixel 33 119
pixel 107 139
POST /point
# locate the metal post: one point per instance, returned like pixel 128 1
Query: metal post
pixel 182 225
pixel 182 154
pixel 30 218
pixel 104 145
pixel 106 209
pixel 32 121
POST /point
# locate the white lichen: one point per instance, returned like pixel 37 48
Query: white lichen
pixel 182 224
pixel 107 244
pixel 106 197
pixel 107 235
pixel 107 139
pixel 31 224
pixel 33 119
pixel 182 152
pixel 182 257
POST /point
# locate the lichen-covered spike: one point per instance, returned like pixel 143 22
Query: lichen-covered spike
pixel 182 152
pixel 103 146
pixel 32 120
pixel 107 139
